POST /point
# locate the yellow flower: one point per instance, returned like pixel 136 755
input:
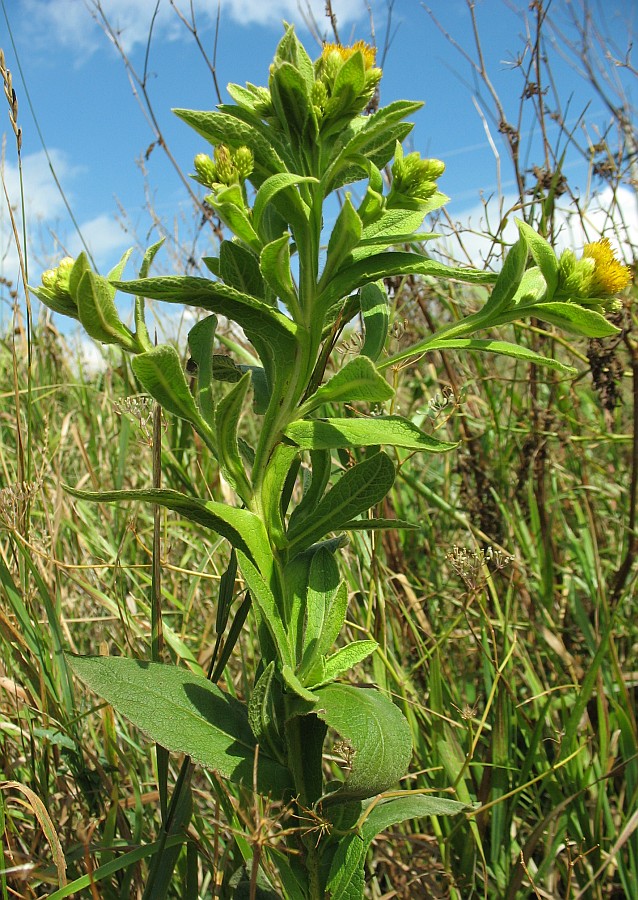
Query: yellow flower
pixel 609 276
pixel 369 53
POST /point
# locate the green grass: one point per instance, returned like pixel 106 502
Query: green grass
pixel 515 667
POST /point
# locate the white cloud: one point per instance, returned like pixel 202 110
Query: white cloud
pixel 75 23
pixel 48 228
pixel 103 235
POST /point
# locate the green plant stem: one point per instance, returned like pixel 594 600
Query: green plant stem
pixel 298 758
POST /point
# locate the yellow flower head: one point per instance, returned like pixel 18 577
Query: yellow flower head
pixel 369 53
pixel 609 276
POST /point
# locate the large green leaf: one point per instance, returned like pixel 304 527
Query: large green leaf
pixel 323 581
pixel 98 313
pixel 184 713
pixel 360 488
pixel 243 529
pixel 395 431
pixel 275 478
pixel 384 265
pixel 502 348
pixel 507 282
pixel 346 879
pixel 377 731
pixel 252 314
pixel 229 205
pixel 161 374
pixel 574 318
pixel 357 381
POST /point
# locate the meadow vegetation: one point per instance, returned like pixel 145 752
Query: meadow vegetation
pixel 505 622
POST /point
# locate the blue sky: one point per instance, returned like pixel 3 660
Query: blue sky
pixel 94 130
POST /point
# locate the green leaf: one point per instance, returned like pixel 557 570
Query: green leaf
pixel 347 657
pixel 321 467
pixel 375 309
pixel 379 525
pixel 284 181
pixel 160 373
pixel 184 713
pixel 263 713
pixel 200 342
pixel 80 266
pixel 295 685
pixel 573 318
pixel 532 289
pixel 268 608
pixel 275 267
pixel 118 268
pixel 225 369
pixel 369 129
pixel 98 313
pixel 334 619
pixel 239 268
pixel 543 255
pixel 357 381
pixel 274 481
pixel 147 261
pixel 243 529
pixel 502 348
pixel 346 879
pixel 393 227
pixel 345 236
pixel 323 581
pixel 411 806
pixel 253 315
pixel 227 421
pixel 378 733
pixel 361 487
pixel 346 876
pixel 392 262
pixel 507 283
pixel 229 206
pixel 326 434
pixel 290 98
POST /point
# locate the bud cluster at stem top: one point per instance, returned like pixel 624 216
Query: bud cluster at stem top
pixel 226 168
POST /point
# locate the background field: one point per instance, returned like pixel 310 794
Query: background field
pixel 507 622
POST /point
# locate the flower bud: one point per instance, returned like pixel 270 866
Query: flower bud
pixel 205 169
pixel 226 173
pixel 244 162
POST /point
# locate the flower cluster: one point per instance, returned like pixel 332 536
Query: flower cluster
pixel 226 168
pixel 595 279
pixel 413 179
pixel 346 79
